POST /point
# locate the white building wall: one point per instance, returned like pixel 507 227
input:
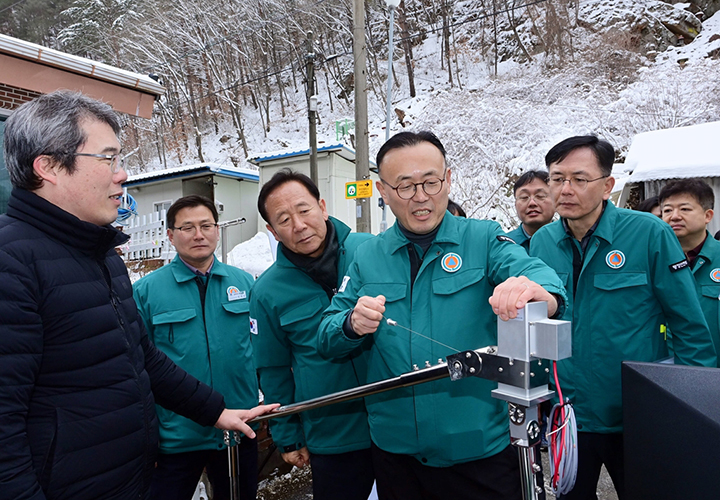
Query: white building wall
pixel 333 172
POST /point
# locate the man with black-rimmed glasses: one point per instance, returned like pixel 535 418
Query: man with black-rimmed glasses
pixel 448 279
pixel 626 275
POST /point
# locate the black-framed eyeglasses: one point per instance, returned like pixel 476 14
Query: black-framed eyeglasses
pixel 406 189
pixel 579 183
pixel 117 161
pixel 189 229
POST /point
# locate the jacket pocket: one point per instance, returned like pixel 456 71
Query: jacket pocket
pixel 165 320
pixel 448 285
pixel 304 311
pixel 237 307
pixel 711 291
pixel 618 281
pixel 391 291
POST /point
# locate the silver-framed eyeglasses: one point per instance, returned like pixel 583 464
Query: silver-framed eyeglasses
pixel 117 161
pixel 579 183
pixel 189 229
pixel 538 197
pixel 406 189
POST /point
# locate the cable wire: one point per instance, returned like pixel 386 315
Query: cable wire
pixel 562 444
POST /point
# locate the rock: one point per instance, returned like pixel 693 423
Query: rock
pixel 657 24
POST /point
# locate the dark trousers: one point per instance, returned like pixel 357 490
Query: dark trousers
pixel 177 474
pixel 402 477
pixel 342 476
pixel 594 450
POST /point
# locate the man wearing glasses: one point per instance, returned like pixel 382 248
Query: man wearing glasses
pixel 196 310
pixel 78 377
pixel 445 278
pixel 626 275
pixel 533 205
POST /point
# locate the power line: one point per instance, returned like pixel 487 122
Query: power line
pixel 11 6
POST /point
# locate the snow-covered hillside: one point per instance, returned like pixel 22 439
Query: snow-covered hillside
pixel 616 73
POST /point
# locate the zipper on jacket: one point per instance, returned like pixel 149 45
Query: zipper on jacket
pixel 202 290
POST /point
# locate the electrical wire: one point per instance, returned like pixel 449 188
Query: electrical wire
pixel 126 210
pixel 562 443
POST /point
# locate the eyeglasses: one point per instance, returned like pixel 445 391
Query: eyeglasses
pixel 189 229
pixel 579 183
pixel 406 190
pixel 539 197
pixel 116 161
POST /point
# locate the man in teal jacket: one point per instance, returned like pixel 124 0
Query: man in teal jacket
pixel 286 306
pixel 196 310
pixel 445 278
pixel 626 275
pixel 533 205
pixel 687 205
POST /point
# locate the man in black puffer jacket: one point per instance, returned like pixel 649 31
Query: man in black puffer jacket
pixel 78 377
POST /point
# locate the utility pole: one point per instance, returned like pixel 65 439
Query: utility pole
pixel 362 149
pixel 312 107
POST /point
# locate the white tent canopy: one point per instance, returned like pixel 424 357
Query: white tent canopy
pixel 675 153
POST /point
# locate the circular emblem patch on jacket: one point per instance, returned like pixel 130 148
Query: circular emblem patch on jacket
pixel 451 262
pixel 615 259
pixel 715 275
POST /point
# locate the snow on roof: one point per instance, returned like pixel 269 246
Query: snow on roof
pixel 189 170
pixel 80 65
pixel 675 153
pixel 337 147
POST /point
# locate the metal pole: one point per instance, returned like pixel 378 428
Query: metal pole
pixel 233 463
pixel 391 46
pixel 528 468
pixel 436 372
pixel 312 104
pixel 362 149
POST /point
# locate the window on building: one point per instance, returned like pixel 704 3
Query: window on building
pixel 159 206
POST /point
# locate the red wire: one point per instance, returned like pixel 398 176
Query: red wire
pixel 557 450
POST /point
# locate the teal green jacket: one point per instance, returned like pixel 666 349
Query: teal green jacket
pixel 518 236
pixel 440 423
pixel 214 347
pixel 626 289
pixel 286 306
pixel 706 271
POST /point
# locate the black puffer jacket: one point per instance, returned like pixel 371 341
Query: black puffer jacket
pixel 77 373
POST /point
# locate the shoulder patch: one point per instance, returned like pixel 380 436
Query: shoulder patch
pixel 253 326
pixel 344 284
pixel 679 265
pixel 505 238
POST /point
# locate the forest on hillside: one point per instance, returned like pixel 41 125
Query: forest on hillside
pixel 499 79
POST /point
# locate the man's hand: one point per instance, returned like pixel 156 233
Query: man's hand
pixel 515 293
pixel 298 458
pixel 234 420
pixel 367 315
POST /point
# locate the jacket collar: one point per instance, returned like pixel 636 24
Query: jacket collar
pixel 90 239
pixel 341 231
pixel 449 232
pixel 182 273
pixel 605 226
pixel 706 252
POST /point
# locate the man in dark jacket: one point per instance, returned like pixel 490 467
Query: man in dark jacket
pixel 78 377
